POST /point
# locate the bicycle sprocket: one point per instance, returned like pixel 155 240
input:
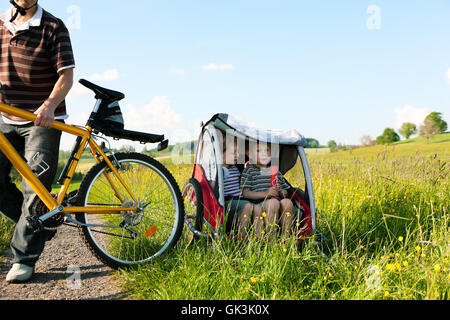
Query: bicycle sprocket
pixel 38 209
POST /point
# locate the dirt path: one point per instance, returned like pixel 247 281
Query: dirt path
pixel 66 271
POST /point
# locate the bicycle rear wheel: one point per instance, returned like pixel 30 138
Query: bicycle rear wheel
pixel 131 238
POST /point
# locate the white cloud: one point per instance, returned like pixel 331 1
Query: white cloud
pixel 410 114
pixel 108 75
pixel 158 117
pixel 177 71
pixel 79 90
pixel 218 67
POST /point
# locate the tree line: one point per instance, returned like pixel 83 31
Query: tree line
pixel 432 124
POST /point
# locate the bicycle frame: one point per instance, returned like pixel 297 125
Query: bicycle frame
pixel 86 140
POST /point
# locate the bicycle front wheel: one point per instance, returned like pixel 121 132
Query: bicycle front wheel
pixel 131 237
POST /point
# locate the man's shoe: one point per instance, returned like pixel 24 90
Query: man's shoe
pixel 19 273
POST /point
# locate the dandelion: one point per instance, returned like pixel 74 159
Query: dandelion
pixel 390 266
pixel 422 255
pixel 387 294
pixel 418 248
pixel 400 238
pixel 253 280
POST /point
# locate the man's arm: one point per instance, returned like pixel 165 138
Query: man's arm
pixel 46 112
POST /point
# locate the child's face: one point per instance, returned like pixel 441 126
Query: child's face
pixel 230 156
pixel 263 153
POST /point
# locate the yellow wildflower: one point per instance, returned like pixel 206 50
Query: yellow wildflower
pixel 400 238
pixel 437 267
pixel 405 263
pixel 418 248
pixel 253 280
pixel 387 294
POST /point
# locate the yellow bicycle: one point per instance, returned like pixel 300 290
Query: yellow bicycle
pixel 128 207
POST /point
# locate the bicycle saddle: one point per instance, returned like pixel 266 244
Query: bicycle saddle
pixel 102 93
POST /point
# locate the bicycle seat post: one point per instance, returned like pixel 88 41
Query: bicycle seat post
pixel 94 112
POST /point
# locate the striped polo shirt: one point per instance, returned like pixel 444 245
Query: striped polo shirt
pixel 231 177
pixel 30 58
pixel 258 180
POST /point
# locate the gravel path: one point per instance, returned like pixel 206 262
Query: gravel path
pixel 67 270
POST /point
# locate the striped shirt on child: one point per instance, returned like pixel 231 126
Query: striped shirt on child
pixel 257 180
pixel 231 178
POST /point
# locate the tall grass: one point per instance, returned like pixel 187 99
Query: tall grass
pixel 384 212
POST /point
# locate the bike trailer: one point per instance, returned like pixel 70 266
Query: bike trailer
pixel 204 192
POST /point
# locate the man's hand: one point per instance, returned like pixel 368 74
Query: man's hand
pixel 45 116
pixel 46 113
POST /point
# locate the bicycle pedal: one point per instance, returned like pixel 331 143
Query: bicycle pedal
pixel 34 224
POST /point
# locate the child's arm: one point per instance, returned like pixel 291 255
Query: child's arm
pixel 283 186
pixel 247 193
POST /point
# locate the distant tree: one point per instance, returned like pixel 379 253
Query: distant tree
pixel 389 136
pixel 433 124
pixel 408 129
pixel 127 148
pixel 367 141
pixel 312 143
pixel 332 145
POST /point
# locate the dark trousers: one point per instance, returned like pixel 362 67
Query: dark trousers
pixel 28 140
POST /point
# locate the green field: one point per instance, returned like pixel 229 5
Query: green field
pixel 384 212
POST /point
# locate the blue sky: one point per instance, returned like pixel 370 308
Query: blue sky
pixel 316 66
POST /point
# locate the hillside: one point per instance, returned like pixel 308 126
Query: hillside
pixel 437 145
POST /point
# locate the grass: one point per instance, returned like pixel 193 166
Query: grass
pixel 384 211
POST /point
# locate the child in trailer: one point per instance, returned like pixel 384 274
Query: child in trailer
pixel 265 183
pixel 238 211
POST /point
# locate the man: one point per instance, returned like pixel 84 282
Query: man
pixel 36 73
